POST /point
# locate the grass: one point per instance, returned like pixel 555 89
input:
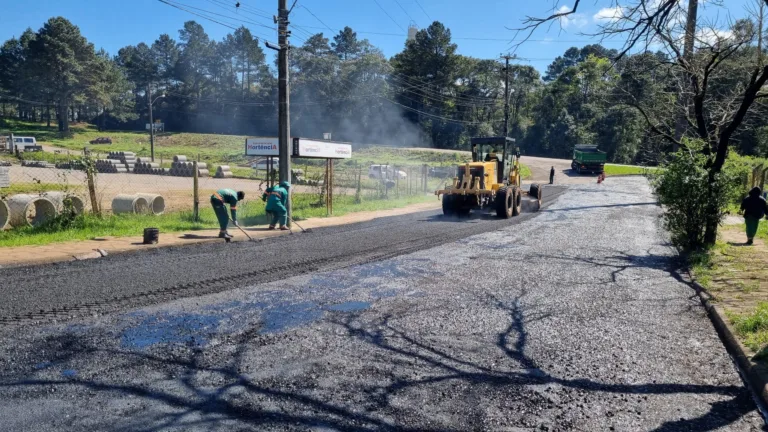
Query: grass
pixel 752 327
pixel 616 170
pixel 26 188
pixel 251 213
pixel 214 149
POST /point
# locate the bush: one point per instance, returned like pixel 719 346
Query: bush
pixel 683 188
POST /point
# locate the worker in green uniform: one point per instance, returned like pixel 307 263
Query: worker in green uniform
pixel 277 198
pixel 219 200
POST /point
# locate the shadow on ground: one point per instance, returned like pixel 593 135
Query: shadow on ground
pixel 211 389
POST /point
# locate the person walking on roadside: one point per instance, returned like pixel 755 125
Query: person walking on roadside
pixel 552 175
pixel 277 198
pixel 754 207
pixel 219 200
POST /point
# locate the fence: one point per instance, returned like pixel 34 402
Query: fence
pixel 172 177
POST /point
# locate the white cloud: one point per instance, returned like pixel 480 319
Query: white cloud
pixel 712 36
pixel 576 20
pixel 610 14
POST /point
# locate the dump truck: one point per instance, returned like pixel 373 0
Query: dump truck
pixel 587 158
pixel 491 181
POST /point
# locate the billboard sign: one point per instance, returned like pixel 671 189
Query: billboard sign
pixel 262 146
pixel 307 148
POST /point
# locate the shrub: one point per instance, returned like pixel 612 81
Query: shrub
pixel 690 201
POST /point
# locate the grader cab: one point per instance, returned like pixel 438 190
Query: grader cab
pixel 491 180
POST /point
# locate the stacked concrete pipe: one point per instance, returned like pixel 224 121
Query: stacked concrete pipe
pixel 59 198
pixel 156 203
pixel 125 203
pixel 5 215
pixel 30 210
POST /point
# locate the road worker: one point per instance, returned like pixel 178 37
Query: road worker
pixel 277 198
pixel 219 200
pixel 552 175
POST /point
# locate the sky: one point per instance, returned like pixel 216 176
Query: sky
pixel 479 28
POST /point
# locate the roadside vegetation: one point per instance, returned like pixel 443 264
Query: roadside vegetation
pixel 619 170
pixel 88 226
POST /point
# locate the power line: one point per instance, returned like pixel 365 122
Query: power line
pixel 422 9
pixel 229 16
pixel 197 14
pixel 406 12
pixel 387 13
pixel 585 41
pixel 211 19
pixel 318 19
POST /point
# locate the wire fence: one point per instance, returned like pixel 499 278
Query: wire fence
pixel 171 177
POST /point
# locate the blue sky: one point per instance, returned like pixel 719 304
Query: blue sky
pixel 112 24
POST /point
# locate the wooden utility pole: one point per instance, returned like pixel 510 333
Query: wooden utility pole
pixel 689 41
pixel 506 58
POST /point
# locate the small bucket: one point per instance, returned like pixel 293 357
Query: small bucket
pixel 151 236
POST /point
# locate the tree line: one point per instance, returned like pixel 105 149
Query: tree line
pixel 426 95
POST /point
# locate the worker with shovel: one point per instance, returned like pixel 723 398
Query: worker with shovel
pixel 219 200
pixel 277 198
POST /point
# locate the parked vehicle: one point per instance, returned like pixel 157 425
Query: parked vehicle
pixel 26 144
pixel 587 158
pixel 385 172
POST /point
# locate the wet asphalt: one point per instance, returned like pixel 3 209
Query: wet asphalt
pixel 574 318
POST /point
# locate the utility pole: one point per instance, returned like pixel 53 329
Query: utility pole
pixel 283 90
pixel 690 38
pixel 506 58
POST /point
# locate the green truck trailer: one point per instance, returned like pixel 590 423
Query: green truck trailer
pixel 587 158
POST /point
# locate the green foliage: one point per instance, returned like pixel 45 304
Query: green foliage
pixel 753 326
pixel 83 227
pixel 688 191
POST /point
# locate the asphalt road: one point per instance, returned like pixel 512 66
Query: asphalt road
pixel 571 319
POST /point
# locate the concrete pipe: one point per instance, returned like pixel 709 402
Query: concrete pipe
pixel 223 168
pixel 224 174
pixel 77 203
pixel 202 165
pixel 203 173
pixel 5 215
pixel 179 158
pixel 156 203
pixel 30 210
pixel 125 203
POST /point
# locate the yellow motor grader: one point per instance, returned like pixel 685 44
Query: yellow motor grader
pixel 491 180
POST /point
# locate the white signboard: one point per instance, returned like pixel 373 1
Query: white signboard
pixel 307 148
pixel 262 146
pixel 157 126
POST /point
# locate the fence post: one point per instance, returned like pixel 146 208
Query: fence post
pixel 90 170
pixel 196 192
pixel 358 191
pixel 397 182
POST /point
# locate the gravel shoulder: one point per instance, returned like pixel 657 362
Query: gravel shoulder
pixel 572 319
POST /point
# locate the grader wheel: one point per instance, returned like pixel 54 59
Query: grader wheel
pixel 517 200
pixel 449 205
pixel 505 202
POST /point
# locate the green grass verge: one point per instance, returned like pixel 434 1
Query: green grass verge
pixel 752 327
pixel 615 170
pixel 251 213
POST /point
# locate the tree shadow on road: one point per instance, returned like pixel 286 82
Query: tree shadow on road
pixel 213 389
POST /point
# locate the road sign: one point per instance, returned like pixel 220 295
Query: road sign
pixel 307 148
pixel 262 146
pixel 157 126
